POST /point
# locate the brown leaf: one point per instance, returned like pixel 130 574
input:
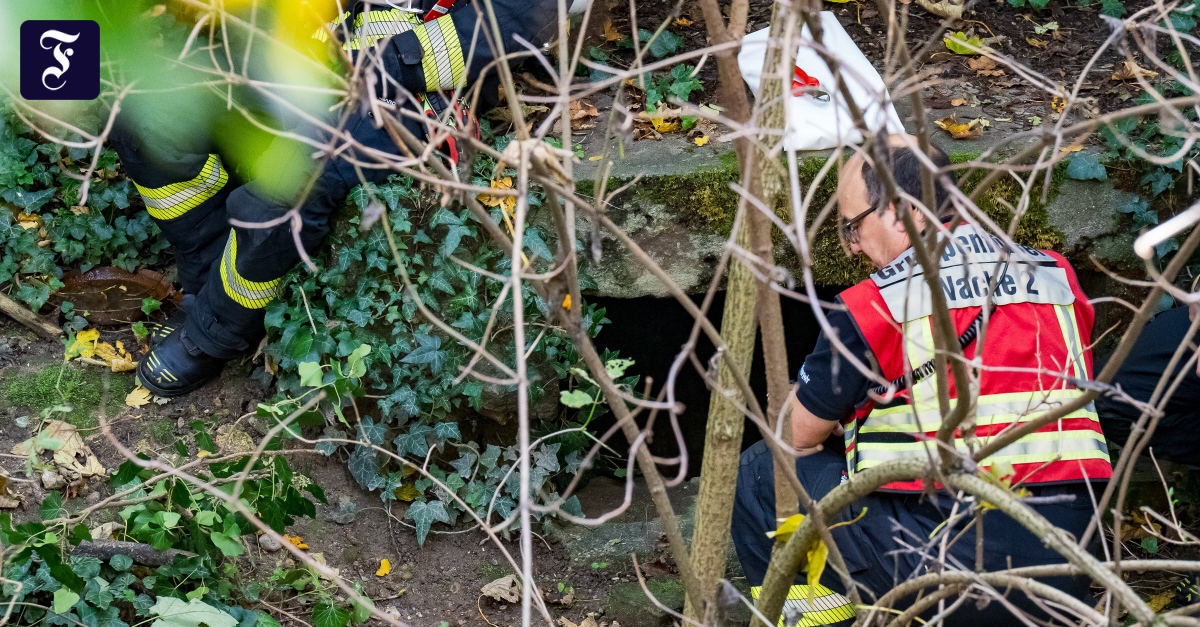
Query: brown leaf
pixel 981 63
pixel 1129 70
pixel 683 22
pixel 1058 103
pixel 968 130
pixel 1072 148
pixel 505 589
pixel 1036 43
pixel 610 33
pixel 958 102
pixel 581 111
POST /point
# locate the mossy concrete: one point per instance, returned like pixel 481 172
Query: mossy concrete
pixel 678 205
pixel 77 390
pixel 627 603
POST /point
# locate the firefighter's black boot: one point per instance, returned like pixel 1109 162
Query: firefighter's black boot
pixel 177 366
pixel 160 330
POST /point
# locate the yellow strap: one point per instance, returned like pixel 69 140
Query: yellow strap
pixel 1075 345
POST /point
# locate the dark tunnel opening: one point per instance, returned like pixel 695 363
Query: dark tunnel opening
pixel 652 330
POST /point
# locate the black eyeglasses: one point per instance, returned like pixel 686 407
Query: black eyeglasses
pixel 850 227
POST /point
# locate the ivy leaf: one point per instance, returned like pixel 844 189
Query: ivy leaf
pixel 447 431
pixel 464 464
pixel 413 441
pixel 227 541
pixel 428 351
pixel 575 398
pixel 454 235
pixel 573 507
pixel 537 245
pixel 51 506
pixel 326 614
pixel 310 374
pixel 1085 166
pixel 121 563
pixel 666 43
pixel 547 457
pixel 364 467
pixel 172 612
pixel 425 514
pixel 371 431
pixel 490 457
pixel 64 600
pixel 1112 8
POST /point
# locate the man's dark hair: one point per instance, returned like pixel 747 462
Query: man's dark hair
pixel 906 172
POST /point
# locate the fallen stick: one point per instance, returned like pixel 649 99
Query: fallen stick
pixel 28 318
pixel 143 554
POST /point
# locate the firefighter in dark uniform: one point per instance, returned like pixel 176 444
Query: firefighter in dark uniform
pixel 230 273
pixel 1042 322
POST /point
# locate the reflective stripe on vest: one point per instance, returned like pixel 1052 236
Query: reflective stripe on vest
pixel 174 200
pixel 442 61
pixel 370 27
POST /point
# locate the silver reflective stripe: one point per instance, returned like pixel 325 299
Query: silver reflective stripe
pixel 1035 447
pixel 991 409
pixel 247 293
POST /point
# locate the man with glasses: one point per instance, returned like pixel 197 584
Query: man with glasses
pixel 845 421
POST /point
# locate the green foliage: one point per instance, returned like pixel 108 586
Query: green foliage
pixel 664 45
pixel 187 592
pixel 352 329
pixel 42 233
pixel 1037 5
pixel 1154 183
pixel 1086 166
pixel 678 83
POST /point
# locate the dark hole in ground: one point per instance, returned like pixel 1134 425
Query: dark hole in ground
pixel 651 332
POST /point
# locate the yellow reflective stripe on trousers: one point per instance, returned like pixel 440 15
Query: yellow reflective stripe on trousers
pixel 174 200
pixel 1033 448
pixel 991 409
pixel 443 61
pixel 247 293
pixel 827 607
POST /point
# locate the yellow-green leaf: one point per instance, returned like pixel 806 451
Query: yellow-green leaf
pixel 786 528
pixel 816 566
pixel 959 43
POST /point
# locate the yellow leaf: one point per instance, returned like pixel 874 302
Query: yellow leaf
pixel 596 158
pixel 296 541
pixel 958 102
pixel 959 43
pixel 701 140
pixel 203 453
pixel 786 528
pixel 407 492
pixel 496 201
pixel 816 566
pixel 1071 148
pixel 385 567
pixel 610 33
pixel 138 397
pixel 84 344
pixel 968 130
pixel 684 22
pixel 1058 103
pixel 662 125
pixel 1036 43
pixel 1159 601
pixel 567 302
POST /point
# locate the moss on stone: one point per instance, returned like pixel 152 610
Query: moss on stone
pixel 627 604
pixel 997 202
pixel 162 431
pixel 68 384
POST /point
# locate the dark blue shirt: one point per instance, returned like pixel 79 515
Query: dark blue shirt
pixel 830 386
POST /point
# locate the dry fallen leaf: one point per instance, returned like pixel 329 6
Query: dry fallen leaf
pixel 1129 70
pixel 1058 103
pixel 958 102
pixel 582 110
pixel 967 130
pixel 84 344
pixel 71 449
pixel 984 66
pixel 138 397
pixel 1072 148
pixel 596 158
pixel 385 567
pixel 1036 43
pixel 610 33
pixel 683 22
pixel 508 203
pixel 567 302
pixel 505 589
pixel 296 541
pixel 1159 601
pixel 664 125
pixel 701 140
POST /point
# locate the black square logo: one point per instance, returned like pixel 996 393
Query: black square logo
pixel 60 60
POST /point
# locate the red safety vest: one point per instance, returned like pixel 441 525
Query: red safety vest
pixel 1035 343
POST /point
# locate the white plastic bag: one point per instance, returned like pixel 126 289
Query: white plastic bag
pixel 816 125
